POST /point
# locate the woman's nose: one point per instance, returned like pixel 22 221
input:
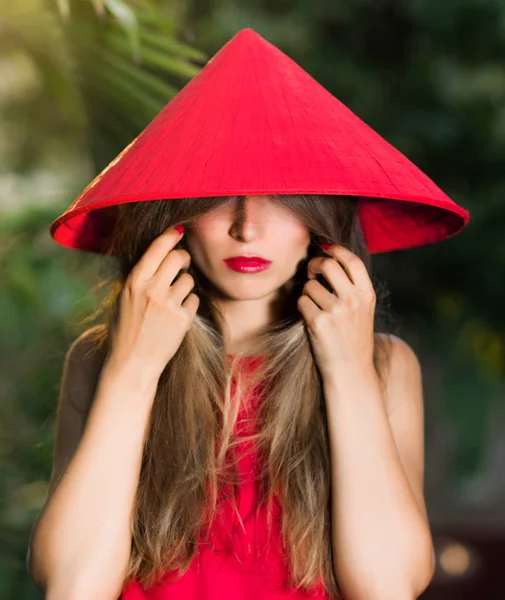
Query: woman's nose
pixel 245 220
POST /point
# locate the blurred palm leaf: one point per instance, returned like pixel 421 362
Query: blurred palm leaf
pixel 29 28
pixel 129 65
pixel 111 64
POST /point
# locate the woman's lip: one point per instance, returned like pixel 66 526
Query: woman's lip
pixel 255 259
pixel 247 264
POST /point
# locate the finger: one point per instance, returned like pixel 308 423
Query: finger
pixel 181 288
pixel 307 307
pixel 150 261
pixel 171 266
pixel 333 272
pixel 191 304
pixel 319 294
pixel 354 266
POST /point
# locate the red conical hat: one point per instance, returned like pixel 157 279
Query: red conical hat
pixel 253 122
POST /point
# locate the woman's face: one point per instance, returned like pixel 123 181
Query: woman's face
pixel 254 226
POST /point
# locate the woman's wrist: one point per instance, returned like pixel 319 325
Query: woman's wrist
pixel 347 373
pixel 131 373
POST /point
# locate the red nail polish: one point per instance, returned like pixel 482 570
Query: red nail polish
pixel 179 229
pixel 325 246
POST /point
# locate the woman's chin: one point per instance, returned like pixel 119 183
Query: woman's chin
pixel 251 290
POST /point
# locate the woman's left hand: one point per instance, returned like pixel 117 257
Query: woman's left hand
pixel 340 324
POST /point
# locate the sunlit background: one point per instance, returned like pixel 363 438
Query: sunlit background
pixel 79 79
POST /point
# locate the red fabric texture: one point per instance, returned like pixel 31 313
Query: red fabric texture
pixel 239 567
pixel 253 122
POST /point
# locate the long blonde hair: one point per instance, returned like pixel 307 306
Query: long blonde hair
pixel 182 468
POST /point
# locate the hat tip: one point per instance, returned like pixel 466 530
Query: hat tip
pixel 247 31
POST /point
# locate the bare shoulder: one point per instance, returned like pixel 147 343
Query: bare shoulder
pixel 405 408
pixel 395 353
pixel 399 366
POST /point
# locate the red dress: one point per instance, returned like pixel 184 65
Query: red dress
pixel 246 572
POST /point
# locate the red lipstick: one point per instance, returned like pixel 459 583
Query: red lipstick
pixel 247 264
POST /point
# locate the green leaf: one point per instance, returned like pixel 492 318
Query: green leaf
pixel 173 46
pixel 126 17
pixel 147 80
pixel 152 58
pixel 63 8
pixel 152 17
pixel 99 6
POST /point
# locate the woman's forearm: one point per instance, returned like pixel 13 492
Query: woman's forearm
pixel 382 546
pixel 82 540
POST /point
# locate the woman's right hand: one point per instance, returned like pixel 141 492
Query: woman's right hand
pixel 154 313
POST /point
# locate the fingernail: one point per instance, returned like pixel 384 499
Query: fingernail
pixel 325 246
pixel 179 229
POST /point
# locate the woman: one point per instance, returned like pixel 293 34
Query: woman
pixel 250 432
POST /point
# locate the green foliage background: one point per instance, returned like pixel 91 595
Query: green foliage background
pixel 83 78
